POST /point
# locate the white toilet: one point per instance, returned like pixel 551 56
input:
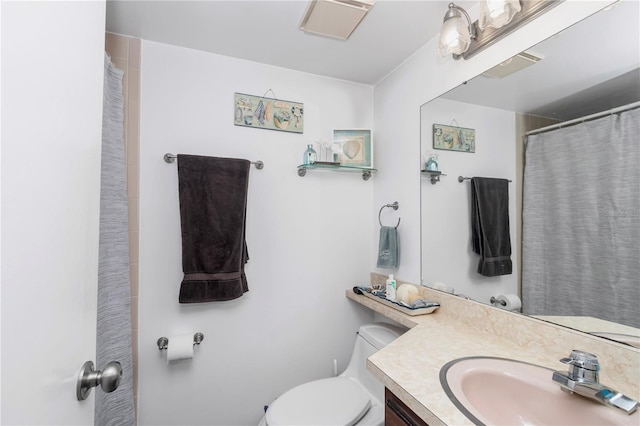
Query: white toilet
pixel 355 397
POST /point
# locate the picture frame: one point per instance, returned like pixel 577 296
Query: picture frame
pixel 352 147
pixel 268 113
pixel 452 138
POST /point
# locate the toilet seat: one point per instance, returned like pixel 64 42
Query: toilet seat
pixel 333 401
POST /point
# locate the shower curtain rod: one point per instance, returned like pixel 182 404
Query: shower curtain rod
pixel 170 158
pixel 585 118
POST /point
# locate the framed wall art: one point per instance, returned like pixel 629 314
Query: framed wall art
pixel 268 113
pixel 352 147
pixel 453 138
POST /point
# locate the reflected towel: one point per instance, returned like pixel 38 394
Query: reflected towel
pixel 213 202
pixel 388 249
pixel 490 225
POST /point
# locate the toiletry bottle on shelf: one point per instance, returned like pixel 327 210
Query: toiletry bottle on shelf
pixel 391 288
pixel 310 155
pixel 432 163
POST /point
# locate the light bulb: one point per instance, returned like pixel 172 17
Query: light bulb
pixel 454 37
pixel 497 13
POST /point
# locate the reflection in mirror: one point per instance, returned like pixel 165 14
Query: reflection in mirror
pixel 589 68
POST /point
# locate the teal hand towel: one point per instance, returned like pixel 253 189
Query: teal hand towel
pixel 388 249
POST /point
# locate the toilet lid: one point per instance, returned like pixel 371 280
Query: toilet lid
pixel 333 401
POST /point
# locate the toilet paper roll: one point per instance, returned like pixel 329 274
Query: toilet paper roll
pixel 509 302
pixel 180 347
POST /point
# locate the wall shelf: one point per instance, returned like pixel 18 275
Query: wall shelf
pixel 434 176
pixel 367 172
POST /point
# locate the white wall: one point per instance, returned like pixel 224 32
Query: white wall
pixel 52 78
pixel 309 240
pixel 397 102
pixel 445 206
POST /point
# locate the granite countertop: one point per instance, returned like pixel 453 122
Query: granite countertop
pixel 590 324
pixel 410 365
pixel 409 368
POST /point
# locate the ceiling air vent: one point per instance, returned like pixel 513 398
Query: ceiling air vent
pixel 334 18
pixel 511 65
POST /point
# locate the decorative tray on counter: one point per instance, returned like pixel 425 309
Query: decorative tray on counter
pixel 379 296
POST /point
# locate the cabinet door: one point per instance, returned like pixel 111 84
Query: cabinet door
pixel 396 413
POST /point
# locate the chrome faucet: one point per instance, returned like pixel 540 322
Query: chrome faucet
pixel 582 379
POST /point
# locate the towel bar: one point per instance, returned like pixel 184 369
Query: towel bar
pixel 163 342
pixel 170 158
pixel 463 178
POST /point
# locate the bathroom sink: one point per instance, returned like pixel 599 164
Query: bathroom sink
pixel 498 391
pixel 628 339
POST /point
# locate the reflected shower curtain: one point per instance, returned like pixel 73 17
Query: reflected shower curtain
pixel 581 220
pixel 113 341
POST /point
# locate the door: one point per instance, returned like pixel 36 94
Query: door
pixel 52 67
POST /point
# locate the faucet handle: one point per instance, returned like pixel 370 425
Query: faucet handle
pixel 582 359
pixel 584 366
pixel 618 400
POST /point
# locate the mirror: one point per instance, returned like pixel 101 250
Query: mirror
pixel 590 67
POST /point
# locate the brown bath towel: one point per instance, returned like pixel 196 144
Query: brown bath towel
pixel 490 236
pixel 213 203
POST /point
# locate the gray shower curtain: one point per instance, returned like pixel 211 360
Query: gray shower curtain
pixel 581 220
pixel 114 293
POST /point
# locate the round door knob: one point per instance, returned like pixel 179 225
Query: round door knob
pixel 108 379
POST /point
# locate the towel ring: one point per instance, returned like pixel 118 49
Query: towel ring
pixel 394 206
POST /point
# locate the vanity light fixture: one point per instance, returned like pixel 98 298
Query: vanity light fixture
pixel 497 20
pixel 456 33
pixel 334 18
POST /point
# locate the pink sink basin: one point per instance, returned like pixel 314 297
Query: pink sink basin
pixel 497 391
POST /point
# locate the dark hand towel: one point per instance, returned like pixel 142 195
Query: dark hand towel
pixel 490 225
pixel 213 202
pixel 388 248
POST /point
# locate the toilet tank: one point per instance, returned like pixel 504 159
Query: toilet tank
pixel 371 338
pixel 380 334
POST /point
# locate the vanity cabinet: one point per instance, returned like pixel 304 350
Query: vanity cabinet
pixel 396 413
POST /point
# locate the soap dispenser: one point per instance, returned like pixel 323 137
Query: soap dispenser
pixel 391 288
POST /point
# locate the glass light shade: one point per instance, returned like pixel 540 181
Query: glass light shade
pixel 497 13
pixel 454 37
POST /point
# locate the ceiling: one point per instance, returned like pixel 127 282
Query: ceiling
pixel 266 31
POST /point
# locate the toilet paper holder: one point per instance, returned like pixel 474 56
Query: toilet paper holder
pixel 163 342
pixel 493 301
